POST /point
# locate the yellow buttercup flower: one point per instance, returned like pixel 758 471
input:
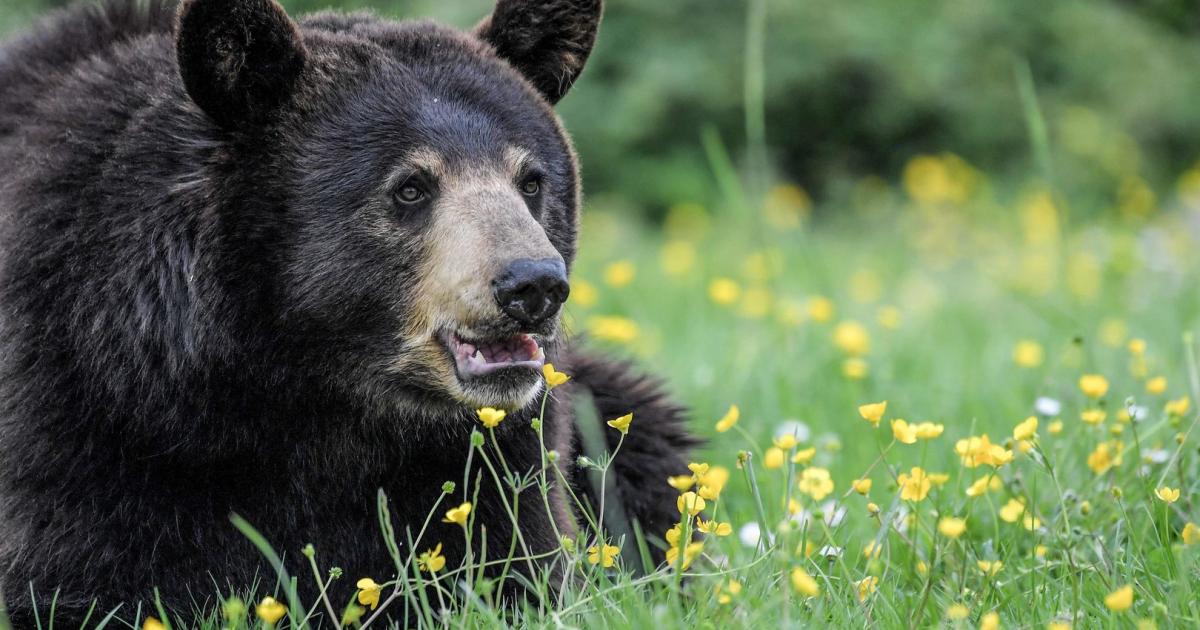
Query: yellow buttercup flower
pixel 957 612
pixel 873 412
pixel 872 508
pixel 682 483
pixel 369 592
pixel 1028 354
pixel 816 483
pixel 726 592
pixel 1027 429
pixel 866 587
pixel 270 611
pixel 613 328
pixel 712 481
pixel 1156 385
pixel 621 424
pixel 773 458
pixel 1055 427
pixel 1058 625
pixel 820 309
pixel 990 621
pixel 584 293
pixel 724 291
pixel 914 485
pixel 1137 346
pixel 690 503
pixel 1190 534
pixel 699 469
pixel 1092 416
pixel 153 624
pixel 619 273
pixel 458 515
pixel 904 432
pixel 554 378
pixel 1093 385
pixel 852 338
pixel 432 561
pixel 952 527
pixel 1178 407
pixel 1120 600
pixel 1012 511
pixel 929 430
pixel 990 567
pixel 691 550
pixel 804 455
pixel 855 369
pixel 490 417
pixel 785 441
pixel 1105 456
pixel 714 528
pixel 980 451
pixel 804 584
pixel 728 420
pixel 872 550
pixel 605 556
pixel 861 486
pixel 983 484
pixel 1167 495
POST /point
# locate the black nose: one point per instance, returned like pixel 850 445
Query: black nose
pixel 530 291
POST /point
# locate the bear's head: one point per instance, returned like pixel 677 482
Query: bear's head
pixel 406 198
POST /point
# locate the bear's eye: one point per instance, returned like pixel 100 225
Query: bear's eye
pixel 411 193
pixel 531 186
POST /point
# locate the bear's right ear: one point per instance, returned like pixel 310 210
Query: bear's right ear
pixel 239 59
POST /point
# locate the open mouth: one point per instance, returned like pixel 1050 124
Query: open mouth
pixel 482 357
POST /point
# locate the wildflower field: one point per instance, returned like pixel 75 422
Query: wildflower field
pixel 947 405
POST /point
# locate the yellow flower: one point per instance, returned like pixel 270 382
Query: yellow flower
pixel 957 612
pixel 990 621
pixel 816 483
pixel 861 486
pixel 804 455
pixel 872 550
pixel 1093 385
pixel 676 541
pixel 1012 511
pixel 1092 416
pixel 990 567
pixel 785 441
pixel 1167 495
pixel 914 485
pixel 855 369
pixel 1026 430
pixel 773 458
pixel 270 611
pixel 728 420
pixel 583 293
pixel 369 592
pixel 1105 456
pixel 872 508
pixel 712 481
pixel 1190 534
pixel 938 479
pixel 677 257
pixel 979 451
pixel 1120 600
pixel 619 273
pixel 1156 385
pixel 1055 427
pixel 682 483
pixel 929 430
pixel 714 528
pixel 699 469
pixel 432 560
pixel 724 291
pixel 852 338
pixel 952 527
pixel 490 417
pixel 904 432
pixel 690 503
pixel 1058 625
pixel 888 317
pixel 1137 346
pixel 1031 522
pixel 866 586
pixel 621 424
pixel 613 328
pixel 873 412
pixel 983 484
pixel 605 557
pixel 820 309
pixel 726 592
pixel 804 584
pixel 153 624
pixel 554 378
pixel 457 515
pixel 1028 354
pixel 1179 406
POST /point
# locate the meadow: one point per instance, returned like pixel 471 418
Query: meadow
pixel 932 398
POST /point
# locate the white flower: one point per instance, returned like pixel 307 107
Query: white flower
pixel 1157 455
pixel 1137 413
pixel 1047 406
pixel 829 551
pixel 749 534
pixel 834 513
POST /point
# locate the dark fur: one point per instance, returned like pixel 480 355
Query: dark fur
pixel 192 317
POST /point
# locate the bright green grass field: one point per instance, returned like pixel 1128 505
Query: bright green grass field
pixel 960 306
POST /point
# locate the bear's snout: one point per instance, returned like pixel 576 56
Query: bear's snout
pixel 531 291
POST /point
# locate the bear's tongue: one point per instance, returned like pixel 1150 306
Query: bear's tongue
pixel 475 358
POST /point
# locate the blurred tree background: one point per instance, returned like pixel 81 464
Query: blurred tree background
pixel 855 90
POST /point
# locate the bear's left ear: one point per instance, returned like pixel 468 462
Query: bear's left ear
pixel 239 59
pixel 547 40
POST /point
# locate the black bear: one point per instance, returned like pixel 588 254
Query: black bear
pixel 267 267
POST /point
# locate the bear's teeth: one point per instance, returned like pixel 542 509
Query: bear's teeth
pixel 540 355
pixel 479 357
